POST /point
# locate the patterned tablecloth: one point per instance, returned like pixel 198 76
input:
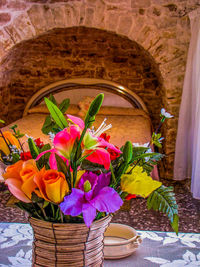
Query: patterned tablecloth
pixel 163 249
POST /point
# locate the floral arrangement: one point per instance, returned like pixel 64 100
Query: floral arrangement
pixel 80 176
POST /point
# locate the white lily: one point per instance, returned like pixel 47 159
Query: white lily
pixel 102 128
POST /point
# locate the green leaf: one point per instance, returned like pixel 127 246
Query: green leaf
pixel 18 134
pixel 64 105
pixel 56 114
pixel 2 121
pixel 163 200
pixel 45 204
pixel 174 223
pixel 45 147
pixel 52 99
pixel 48 125
pixel 13 127
pixel 43 161
pixel 146 155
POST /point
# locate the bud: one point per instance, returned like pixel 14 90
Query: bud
pixel 87 186
pixel 128 152
pixel 94 108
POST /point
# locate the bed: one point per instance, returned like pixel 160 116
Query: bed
pixel 123 109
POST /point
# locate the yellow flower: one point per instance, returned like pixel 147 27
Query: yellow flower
pixel 10 139
pixel 138 182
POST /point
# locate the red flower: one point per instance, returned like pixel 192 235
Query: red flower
pixel 113 154
pixel 105 137
pixel 39 143
pixel 25 155
pixel 130 197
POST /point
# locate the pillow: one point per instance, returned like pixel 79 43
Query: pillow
pixel 42 109
pixel 106 110
pixel 122 111
pixel 84 105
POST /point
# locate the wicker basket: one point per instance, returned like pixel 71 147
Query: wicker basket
pixel 68 244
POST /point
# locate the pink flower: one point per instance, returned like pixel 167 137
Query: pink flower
pixel 97 145
pixel 91 145
pixel 63 144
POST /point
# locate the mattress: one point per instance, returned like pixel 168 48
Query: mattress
pixel 135 128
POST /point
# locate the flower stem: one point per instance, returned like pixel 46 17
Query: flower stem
pixel 75 157
pixel 53 210
pixel 35 209
pixel 43 212
pixel 159 126
pixel 112 172
pixel 61 216
pixel 18 140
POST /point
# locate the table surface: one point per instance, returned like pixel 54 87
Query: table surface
pixel 163 249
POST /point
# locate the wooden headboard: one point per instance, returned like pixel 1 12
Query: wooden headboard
pixel 85 84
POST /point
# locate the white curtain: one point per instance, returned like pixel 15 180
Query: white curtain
pixel 187 156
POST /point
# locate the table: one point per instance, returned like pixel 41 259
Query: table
pixel 163 249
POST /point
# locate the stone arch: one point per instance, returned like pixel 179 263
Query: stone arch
pixel 38 19
pixel 64 53
pixel 166 40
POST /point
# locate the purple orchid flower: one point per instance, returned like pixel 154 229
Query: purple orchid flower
pixel 91 195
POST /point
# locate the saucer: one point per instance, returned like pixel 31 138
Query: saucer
pixel 120 241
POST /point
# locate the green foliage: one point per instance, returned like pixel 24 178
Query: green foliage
pixel 88 165
pixel 148 155
pixel 156 139
pixel 15 157
pixel 43 161
pixel 64 105
pixel 137 151
pixel 50 124
pixel 56 114
pixel 33 148
pixel 163 200
pixel 2 121
pixel 52 99
pixel 62 167
pixel 17 133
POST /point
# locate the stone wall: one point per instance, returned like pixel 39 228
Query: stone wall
pixel 161 27
pixel 77 52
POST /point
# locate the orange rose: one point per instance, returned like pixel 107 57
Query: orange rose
pixel 27 174
pixel 19 179
pixel 52 185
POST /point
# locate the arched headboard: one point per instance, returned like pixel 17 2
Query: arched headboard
pixel 86 83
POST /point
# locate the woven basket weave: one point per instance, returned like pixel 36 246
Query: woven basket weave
pixel 68 244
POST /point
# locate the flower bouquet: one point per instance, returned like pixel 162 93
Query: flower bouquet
pixel 81 178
